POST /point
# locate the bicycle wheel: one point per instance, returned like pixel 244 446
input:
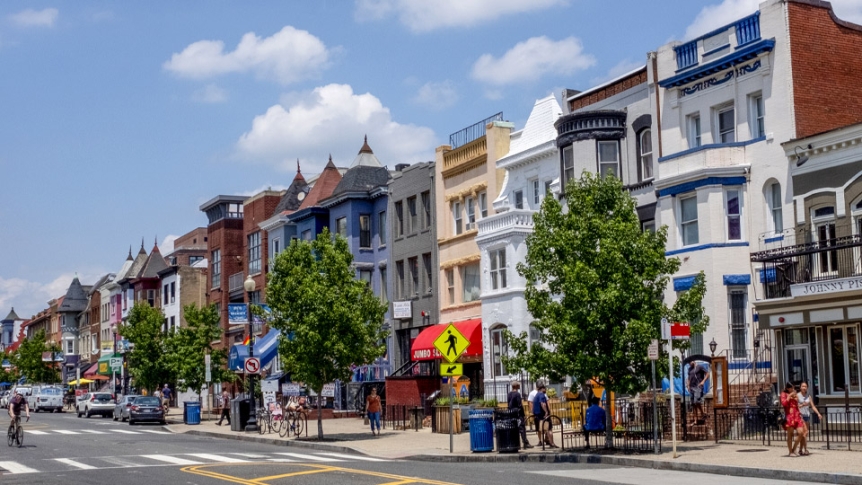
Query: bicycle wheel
pixel 298 424
pixel 10 435
pixel 276 424
pixel 19 436
pixel 285 426
pixel 262 423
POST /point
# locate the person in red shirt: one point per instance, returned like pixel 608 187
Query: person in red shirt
pixel 372 410
pixel 792 419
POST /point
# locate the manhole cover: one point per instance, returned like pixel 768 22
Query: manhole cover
pixel 752 450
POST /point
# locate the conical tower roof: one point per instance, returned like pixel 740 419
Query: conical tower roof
pixel 138 263
pixel 155 263
pixel 365 157
pixel 324 186
pixel 12 316
pixel 294 195
pixel 75 299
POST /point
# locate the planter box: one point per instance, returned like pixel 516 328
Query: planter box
pixel 441 414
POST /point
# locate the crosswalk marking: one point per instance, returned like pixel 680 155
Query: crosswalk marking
pixel 66 431
pixel 125 431
pixel 76 464
pixel 351 457
pixel 220 458
pixel 155 432
pixel 308 457
pixel 249 455
pixel 16 468
pixel 172 459
pixel 92 431
pixel 36 432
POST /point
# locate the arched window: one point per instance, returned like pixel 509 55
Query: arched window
pixel 645 154
pixel 774 203
pixel 498 349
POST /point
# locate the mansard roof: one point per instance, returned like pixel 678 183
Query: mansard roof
pixel 362 178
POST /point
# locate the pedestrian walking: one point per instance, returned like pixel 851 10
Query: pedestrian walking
pixel 542 414
pixel 530 398
pixel 224 403
pixel 792 419
pixel 372 410
pixel 515 401
pixel 166 396
pixel 806 405
pixel 697 377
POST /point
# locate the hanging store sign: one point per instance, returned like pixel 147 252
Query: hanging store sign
pixel 826 287
pixel 402 309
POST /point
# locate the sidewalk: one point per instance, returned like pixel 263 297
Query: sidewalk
pixel 750 459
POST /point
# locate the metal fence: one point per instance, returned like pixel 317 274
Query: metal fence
pixel 472 132
pixel 635 427
pixel 403 417
pixel 840 428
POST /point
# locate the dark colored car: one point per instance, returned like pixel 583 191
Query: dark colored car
pixel 121 410
pixel 146 408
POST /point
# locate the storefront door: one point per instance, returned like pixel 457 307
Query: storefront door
pixel 844 358
pixel 798 364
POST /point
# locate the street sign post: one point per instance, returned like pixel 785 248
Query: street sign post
pixel 668 335
pixel 653 356
pixel 449 370
pixel 451 343
pixel 252 365
pixel 208 377
pixel 116 363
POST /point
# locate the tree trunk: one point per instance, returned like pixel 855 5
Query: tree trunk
pixel 609 424
pixel 319 414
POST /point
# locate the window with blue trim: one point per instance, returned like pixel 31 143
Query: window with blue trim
pixel 733 211
pixel 688 220
pixel 738 304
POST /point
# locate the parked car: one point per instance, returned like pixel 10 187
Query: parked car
pixel 96 403
pixel 121 410
pixel 25 391
pixel 146 408
pixel 4 399
pixel 47 398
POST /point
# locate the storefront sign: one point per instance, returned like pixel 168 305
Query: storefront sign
pixel 826 287
pixel 268 385
pixel 290 389
pixel 237 314
pixel 402 309
pixel 328 391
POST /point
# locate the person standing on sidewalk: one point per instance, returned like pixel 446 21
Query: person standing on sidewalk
pixel 806 405
pixel 372 410
pixel 792 419
pixel 542 414
pixel 530 398
pixel 166 396
pixel 224 402
pixel 515 401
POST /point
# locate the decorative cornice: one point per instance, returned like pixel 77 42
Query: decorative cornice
pixel 458 237
pixel 527 156
pixel 741 55
pixel 473 258
pixel 471 191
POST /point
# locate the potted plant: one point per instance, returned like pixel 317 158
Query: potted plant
pixel 442 407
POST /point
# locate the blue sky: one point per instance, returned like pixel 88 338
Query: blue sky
pixel 118 119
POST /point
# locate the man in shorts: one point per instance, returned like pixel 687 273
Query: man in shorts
pixel 542 415
pixel 697 377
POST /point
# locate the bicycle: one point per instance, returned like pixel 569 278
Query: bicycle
pixel 294 423
pixel 16 432
pixel 263 424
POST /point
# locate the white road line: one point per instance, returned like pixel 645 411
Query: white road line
pixel 125 431
pixel 282 460
pixel 308 457
pixel 250 455
pixel 219 458
pixel 15 467
pixel 155 432
pixel 92 431
pixel 171 459
pixel 76 464
pixel 36 432
pixel 353 457
pixel 66 431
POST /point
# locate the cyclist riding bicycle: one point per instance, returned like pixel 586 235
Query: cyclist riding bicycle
pixel 15 405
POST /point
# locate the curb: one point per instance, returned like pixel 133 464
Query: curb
pixel 737 471
pixel 274 441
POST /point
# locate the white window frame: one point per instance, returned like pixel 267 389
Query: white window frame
pixel 719 134
pixel 254 253
pixel 478 279
pixel 730 217
pixel 616 163
pixel 458 225
pixel 735 352
pixel 645 157
pixel 497 268
pixel 450 284
pixel 568 163
pixel 756 115
pixel 483 205
pixel 471 213
pixel 775 207
pixel 518 199
pixel 694 130
pixel 828 265
pixel 684 223
pixel 537 192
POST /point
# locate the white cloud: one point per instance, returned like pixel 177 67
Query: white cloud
pixel 332 119
pixel 167 245
pixel 288 56
pixel 210 94
pixel 425 16
pixel 530 60
pixel 30 297
pixel 714 16
pixel 437 96
pixel 36 18
pixel 622 67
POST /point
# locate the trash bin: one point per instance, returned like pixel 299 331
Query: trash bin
pixel 239 412
pixel 191 412
pixel 481 430
pixel 506 425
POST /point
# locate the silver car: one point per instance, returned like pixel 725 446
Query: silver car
pixel 47 398
pixel 4 399
pixel 121 409
pixel 101 403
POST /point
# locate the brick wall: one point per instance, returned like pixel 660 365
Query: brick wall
pixel 624 84
pixel 408 391
pixel 225 235
pixel 256 210
pixel 827 66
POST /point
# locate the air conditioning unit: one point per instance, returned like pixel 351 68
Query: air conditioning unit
pixel 471 225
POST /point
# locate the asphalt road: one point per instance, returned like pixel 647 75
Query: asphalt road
pixel 64 449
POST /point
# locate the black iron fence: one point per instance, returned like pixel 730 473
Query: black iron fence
pixel 638 427
pixel 840 427
pixel 403 417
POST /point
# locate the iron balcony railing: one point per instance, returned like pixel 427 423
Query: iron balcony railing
pixel 234 281
pixel 472 132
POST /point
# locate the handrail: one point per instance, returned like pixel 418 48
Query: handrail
pixel 472 132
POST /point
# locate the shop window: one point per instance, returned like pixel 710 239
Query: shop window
pixel 844 356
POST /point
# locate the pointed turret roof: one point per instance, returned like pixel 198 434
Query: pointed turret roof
pixel 75 299
pixel 155 263
pixel 365 157
pixel 138 263
pixel 12 316
pixel 291 200
pixel 323 187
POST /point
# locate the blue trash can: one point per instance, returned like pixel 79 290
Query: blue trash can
pixel 481 430
pixel 192 412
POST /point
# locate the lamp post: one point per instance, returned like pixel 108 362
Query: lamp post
pixel 712 346
pixel 113 370
pixel 251 426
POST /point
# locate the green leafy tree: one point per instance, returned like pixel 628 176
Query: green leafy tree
pixel 334 320
pixel 188 345
pixel 27 360
pixel 148 361
pixel 595 289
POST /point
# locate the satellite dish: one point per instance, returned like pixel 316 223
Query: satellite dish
pixel 95 351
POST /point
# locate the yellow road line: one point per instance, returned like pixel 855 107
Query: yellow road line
pixel 316 468
pixel 402 482
pixel 292 474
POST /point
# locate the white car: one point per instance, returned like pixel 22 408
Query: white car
pixel 4 399
pixel 47 398
pixel 96 403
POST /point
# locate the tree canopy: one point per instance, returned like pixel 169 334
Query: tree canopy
pixel 188 345
pixel 595 288
pixel 333 320
pixel 27 360
pixel 148 361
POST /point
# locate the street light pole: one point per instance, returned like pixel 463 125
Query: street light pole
pixel 251 426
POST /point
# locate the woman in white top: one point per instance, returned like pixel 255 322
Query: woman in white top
pixel 806 405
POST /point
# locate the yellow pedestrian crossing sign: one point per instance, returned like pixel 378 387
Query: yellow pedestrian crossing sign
pixel 449 370
pixel 451 343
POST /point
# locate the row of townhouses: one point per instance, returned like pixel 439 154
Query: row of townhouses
pixel 744 142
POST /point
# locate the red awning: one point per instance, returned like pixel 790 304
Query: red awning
pixel 88 374
pixel 423 346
